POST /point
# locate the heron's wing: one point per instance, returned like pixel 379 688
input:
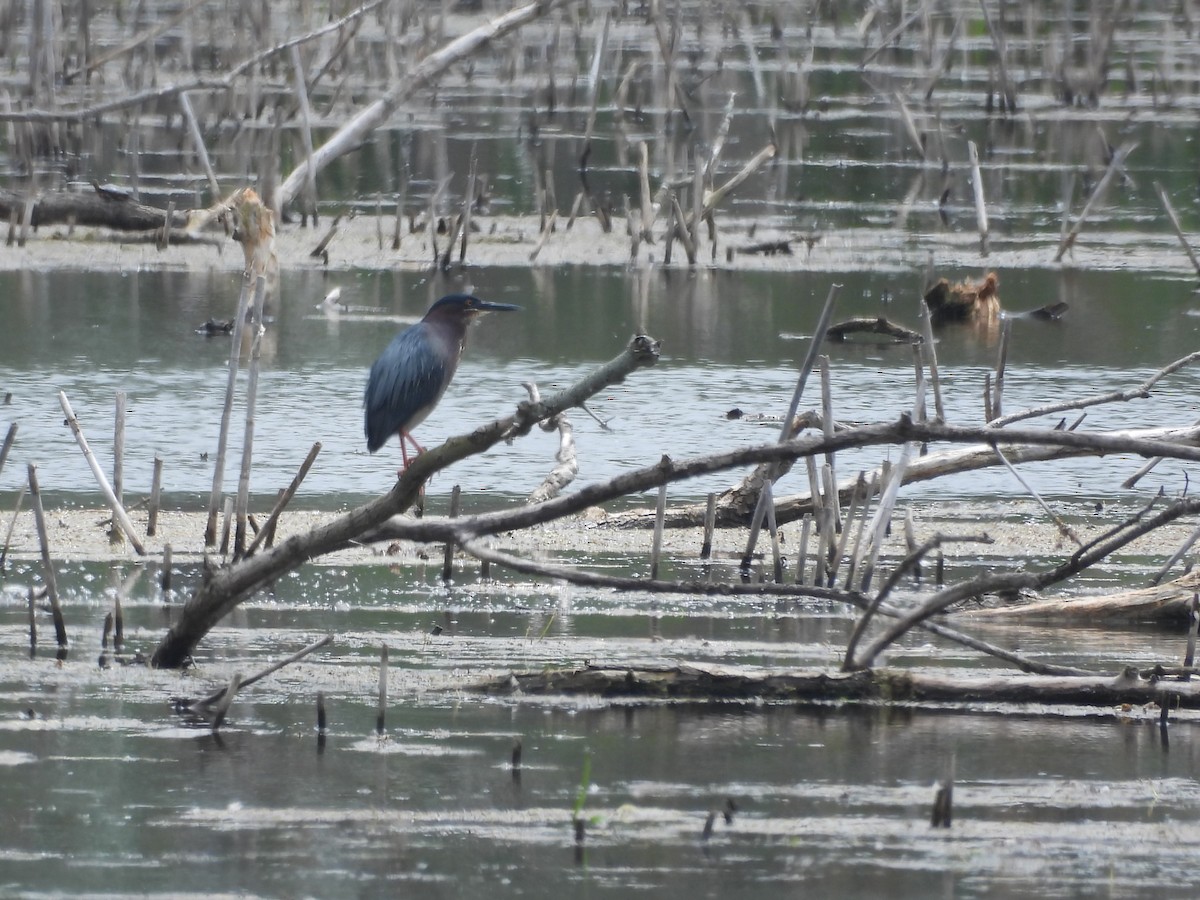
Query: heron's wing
pixel 405 383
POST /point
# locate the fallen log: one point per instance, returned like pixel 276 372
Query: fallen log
pixel 1162 604
pixel 735 505
pixel 707 683
pixel 102 208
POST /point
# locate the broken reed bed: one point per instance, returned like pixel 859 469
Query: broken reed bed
pixel 311 70
pixel 687 201
pixel 834 532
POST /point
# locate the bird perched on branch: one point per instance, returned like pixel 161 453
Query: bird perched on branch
pixel 414 370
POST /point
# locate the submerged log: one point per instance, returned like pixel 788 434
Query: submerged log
pixel 878 325
pixel 706 683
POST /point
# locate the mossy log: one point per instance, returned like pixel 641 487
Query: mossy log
pixel 714 683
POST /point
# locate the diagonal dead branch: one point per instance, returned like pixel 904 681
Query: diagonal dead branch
pixel 226 588
pixel 1017 581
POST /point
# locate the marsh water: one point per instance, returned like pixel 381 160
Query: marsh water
pixel 108 791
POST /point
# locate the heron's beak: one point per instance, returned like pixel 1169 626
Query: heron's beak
pixel 487 306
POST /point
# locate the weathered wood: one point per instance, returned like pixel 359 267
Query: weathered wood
pixel 878 325
pixel 101 208
pixel 733 509
pixel 710 683
pixel 427 71
pixel 221 593
pixel 1166 603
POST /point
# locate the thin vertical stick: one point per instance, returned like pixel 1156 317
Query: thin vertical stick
pixel 929 353
pixel 39 515
pixel 8 443
pixel 660 514
pixel 710 522
pixel 981 216
pixel 468 204
pixel 448 560
pixel 833 499
pixel 118 460
pixel 118 615
pixel 198 145
pixel 647 219
pixel 119 514
pixel 1189 657
pixel 858 493
pixel 1187 248
pixel 809 361
pixel 859 548
pixel 820 570
pixel 802 552
pixel 1114 165
pixel 883 514
pixel 997 404
pixel 267 532
pixel 381 712
pixel 235 355
pixel 776 555
pixel 32 621
pixel 243 496
pixel 164 577
pixel 226 525
pixel 12 523
pixel 310 181
pixel 155 496
pixel 222 706
pixel 379 222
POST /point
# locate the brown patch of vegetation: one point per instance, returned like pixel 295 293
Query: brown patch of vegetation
pixel 965 301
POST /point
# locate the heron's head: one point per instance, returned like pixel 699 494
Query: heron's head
pixel 463 309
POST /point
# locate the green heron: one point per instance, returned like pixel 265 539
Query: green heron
pixel 414 370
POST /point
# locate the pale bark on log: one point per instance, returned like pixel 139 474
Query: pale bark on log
pixel 734 506
pixel 94 209
pixel 1166 603
pixel 709 683
pixel 354 132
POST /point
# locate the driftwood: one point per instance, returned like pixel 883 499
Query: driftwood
pixel 428 70
pixel 1167 603
pixel 101 208
pixel 879 325
pixel 224 589
pixel 708 683
pixel 734 509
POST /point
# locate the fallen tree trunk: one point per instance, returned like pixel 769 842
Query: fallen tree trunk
pixel 427 71
pixel 101 208
pixel 736 505
pixel 1164 604
pixel 707 683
